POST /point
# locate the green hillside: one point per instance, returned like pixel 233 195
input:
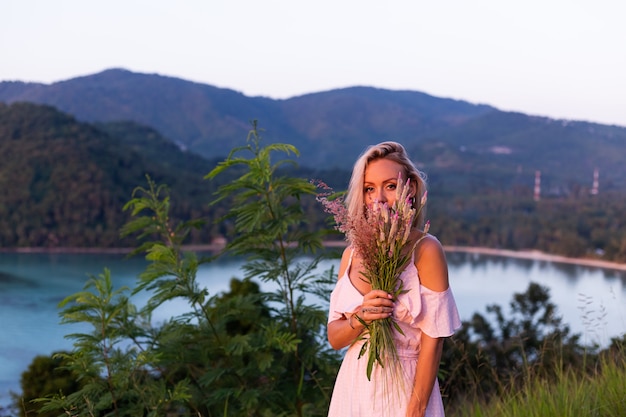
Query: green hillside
pixel 63 183
pixel 506 149
pixel 327 127
pixel 447 137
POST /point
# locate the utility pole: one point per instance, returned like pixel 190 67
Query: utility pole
pixel 596 182
pixel 537 194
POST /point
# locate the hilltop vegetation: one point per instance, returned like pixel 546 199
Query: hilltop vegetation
pixel 66 171
pixel 63 183
pixel 327 127
pixel 253 353
pixel 332 128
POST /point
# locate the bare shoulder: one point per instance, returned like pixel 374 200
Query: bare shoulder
pixel 345 259
pixel 431 264
pixel 429 245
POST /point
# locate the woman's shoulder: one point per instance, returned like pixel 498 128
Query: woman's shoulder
pixel 345 260
pixel 425 243
pixel 429 243
pixel 431 264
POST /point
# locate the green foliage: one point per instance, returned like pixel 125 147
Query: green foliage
pixel 54 184
pixel 243 353
pixel 63 183
pixel 527 356
pixel 572 392
pixel 112 364
pixel 270 230
pixel 45 377
pixel 582 226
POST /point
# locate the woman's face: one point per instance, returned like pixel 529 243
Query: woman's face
pixel 381 180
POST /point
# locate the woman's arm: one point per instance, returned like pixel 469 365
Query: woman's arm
pixel 425 374
pixel 431 264
pixel 345 330
pixel 377 304
pixel 432 268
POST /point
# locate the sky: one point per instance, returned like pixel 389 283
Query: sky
pixel 563 59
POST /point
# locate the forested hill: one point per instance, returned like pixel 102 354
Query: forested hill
pixel 65 175
pixel 64 183
pixel 331 128
pixel 501 151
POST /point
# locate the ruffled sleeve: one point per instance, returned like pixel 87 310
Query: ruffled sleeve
pixel 439 316
pixel 344 300
pixel 433 312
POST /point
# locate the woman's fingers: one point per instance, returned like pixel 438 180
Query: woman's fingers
pixel 377 304
pixel 377 298
pixel 374 294
pixel 377 310
pixel 369 314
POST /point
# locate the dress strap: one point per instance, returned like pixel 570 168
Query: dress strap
pixel 349 261
pixel 421 238
pixel 415 246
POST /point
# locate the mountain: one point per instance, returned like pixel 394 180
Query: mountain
pixel 328 127
pixel 473 146
pixel 64 182
pixel 502 149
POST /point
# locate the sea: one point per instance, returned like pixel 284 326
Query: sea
pixel 591 300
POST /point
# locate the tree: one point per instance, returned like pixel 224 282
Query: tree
pixel 270 230
pixel 488 355
pixel 45 376
pixel 244 353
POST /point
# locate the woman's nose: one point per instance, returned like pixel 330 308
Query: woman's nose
pixel 380 196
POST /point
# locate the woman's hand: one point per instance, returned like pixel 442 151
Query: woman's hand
pixel 377 304
pixel 415 408
pixel 425 375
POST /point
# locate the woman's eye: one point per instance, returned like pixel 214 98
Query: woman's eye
pixel 391 186
pixel 369 189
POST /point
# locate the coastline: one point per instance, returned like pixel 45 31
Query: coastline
pixel 539 256
pixel 521 254
pixel 217 246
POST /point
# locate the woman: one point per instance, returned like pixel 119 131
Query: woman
pixel 426 313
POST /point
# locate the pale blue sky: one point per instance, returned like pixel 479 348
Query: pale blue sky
pixel 557 58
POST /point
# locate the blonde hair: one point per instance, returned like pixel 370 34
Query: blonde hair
pixel 393 151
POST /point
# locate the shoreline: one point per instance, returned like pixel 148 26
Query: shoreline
pixel 521 254
pixel 216 247
pixel 538 256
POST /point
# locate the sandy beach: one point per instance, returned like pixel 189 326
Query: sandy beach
pixel 537 255
pixel 523 254
pixel 217 246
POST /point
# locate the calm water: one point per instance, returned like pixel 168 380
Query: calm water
pixel 591 300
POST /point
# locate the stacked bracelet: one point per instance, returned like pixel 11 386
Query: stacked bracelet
pixel 350 320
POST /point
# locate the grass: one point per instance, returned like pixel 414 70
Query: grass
pixel 601 393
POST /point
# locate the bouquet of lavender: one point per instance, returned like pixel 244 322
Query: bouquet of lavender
pixel 383 240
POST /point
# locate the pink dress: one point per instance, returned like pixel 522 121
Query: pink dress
pixel 418 310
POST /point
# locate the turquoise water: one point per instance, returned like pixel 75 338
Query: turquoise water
pixel 592 301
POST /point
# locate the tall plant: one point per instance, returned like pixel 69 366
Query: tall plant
pixel 271 232
pixel 244 353
pixel 114 366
